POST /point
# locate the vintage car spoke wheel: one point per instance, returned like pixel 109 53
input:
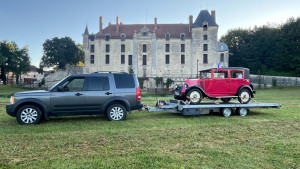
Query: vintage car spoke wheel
pixel 194 96
pixel 242 111
pixel 226 112
pixel 29 114
pixel 244 96
pixel 116 112
pixel 226 100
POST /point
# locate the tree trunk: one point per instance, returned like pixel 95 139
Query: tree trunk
pixel 3 77
pixel 17 79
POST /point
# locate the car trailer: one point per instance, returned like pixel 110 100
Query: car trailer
pixel 226 109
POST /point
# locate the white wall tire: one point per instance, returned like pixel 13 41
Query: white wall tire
pixel 244 96
pixel 194 96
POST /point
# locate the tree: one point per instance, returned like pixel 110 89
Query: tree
pixel 22 63
pixel 58 52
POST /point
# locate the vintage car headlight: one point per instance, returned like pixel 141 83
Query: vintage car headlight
pixel 12 100
pixel 186 85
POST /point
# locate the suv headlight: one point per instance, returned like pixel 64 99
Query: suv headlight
pixel 12 100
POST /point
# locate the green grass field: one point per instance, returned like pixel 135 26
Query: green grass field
pixel 265 138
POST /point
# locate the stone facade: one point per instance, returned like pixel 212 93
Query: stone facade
pixel 162 50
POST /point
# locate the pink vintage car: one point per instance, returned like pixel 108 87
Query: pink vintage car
pixel 229 83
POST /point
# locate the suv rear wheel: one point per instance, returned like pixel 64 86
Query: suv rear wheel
pixel 116 112
pixel 194 96
pixel 29 114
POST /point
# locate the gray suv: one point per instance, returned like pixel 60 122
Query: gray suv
pixel 112 94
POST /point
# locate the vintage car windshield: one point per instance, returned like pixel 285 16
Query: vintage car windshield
pixel 205 75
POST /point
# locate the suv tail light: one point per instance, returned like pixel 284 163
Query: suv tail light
pixel 138 94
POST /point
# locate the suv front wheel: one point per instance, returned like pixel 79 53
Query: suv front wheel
pixel 116 112
pixel 29 114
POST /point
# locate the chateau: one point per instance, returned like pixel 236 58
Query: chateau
pixel 156 50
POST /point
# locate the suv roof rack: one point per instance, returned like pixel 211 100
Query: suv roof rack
pixel 110 72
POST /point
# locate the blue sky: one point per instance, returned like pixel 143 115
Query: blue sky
pixel 31 22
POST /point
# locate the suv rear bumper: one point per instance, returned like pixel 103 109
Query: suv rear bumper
pixel 138 106
pixel 9 108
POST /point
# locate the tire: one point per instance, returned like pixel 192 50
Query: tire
pixel 244 96
pixel 226 112
pixel 194 96
pixel 226 100
pixel 29 114
pixel 116 112
pixel 242 111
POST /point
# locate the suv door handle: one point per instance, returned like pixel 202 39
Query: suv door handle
pixel 107 93
pixel 78 94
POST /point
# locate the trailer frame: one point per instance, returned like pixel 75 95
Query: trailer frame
pixel 206 107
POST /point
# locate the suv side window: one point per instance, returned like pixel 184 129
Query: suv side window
pixel 220 74
pixel 98 84
pixel 236 74
pixel 75 84
pixel 124 81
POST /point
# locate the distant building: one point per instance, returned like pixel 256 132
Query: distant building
pixel 32 75
pixel 156 49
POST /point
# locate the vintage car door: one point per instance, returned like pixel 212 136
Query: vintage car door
pixel 221 83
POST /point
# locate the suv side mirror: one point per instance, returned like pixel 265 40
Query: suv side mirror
pixel 60 88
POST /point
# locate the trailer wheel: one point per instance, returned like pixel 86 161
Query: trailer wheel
pixel 226 112
pixel 242 111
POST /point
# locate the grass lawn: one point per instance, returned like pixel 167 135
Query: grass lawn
pixel 265 138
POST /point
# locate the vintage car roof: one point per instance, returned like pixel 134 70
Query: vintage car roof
pixel 226 68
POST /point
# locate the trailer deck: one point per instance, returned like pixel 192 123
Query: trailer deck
pixel 226 109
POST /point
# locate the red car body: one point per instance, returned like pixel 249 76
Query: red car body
pixel 213 84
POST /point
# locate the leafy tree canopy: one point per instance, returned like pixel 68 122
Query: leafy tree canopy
pixel 58 52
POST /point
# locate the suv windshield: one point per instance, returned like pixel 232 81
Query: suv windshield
pixel 205 74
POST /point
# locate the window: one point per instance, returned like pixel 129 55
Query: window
pixel 107 48
pixel 121 78
pixel 92 37
pixel 129 59
pixel 205 27
pixel 144 48
pixel 75 84
pixel 221 74
pixel 98 84
pixel 182 36
pixel 222 57
pixel 205 74
pixel 182 47
pixel 205 59
pixel 122 59
pixel 236 74
pixel 167 47
pixel 123 48
pixel 123 37
pixel 144 59
pixel 182 59
pixel 107 59
pixel 167 59
pixel 205 37
pixel 144 33
pixel 92 60
pixel 92 48
pixel 204 47
pixel 167 36
pixel 107 37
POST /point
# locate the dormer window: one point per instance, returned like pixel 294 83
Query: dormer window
pixel 123 37
pixel 205 27
pixel 107 37
pixel 144 33
pixel 182 36
pixel 167 36
pixel 92 37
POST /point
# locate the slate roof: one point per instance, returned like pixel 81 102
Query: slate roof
pixel 173 29
pixel 86 32
pixel 202 17
pixel 222 47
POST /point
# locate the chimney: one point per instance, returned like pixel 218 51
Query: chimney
pixel 190 21
pixel 117 24
pixel 155 23
pixel 100 24
pixel 213 15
